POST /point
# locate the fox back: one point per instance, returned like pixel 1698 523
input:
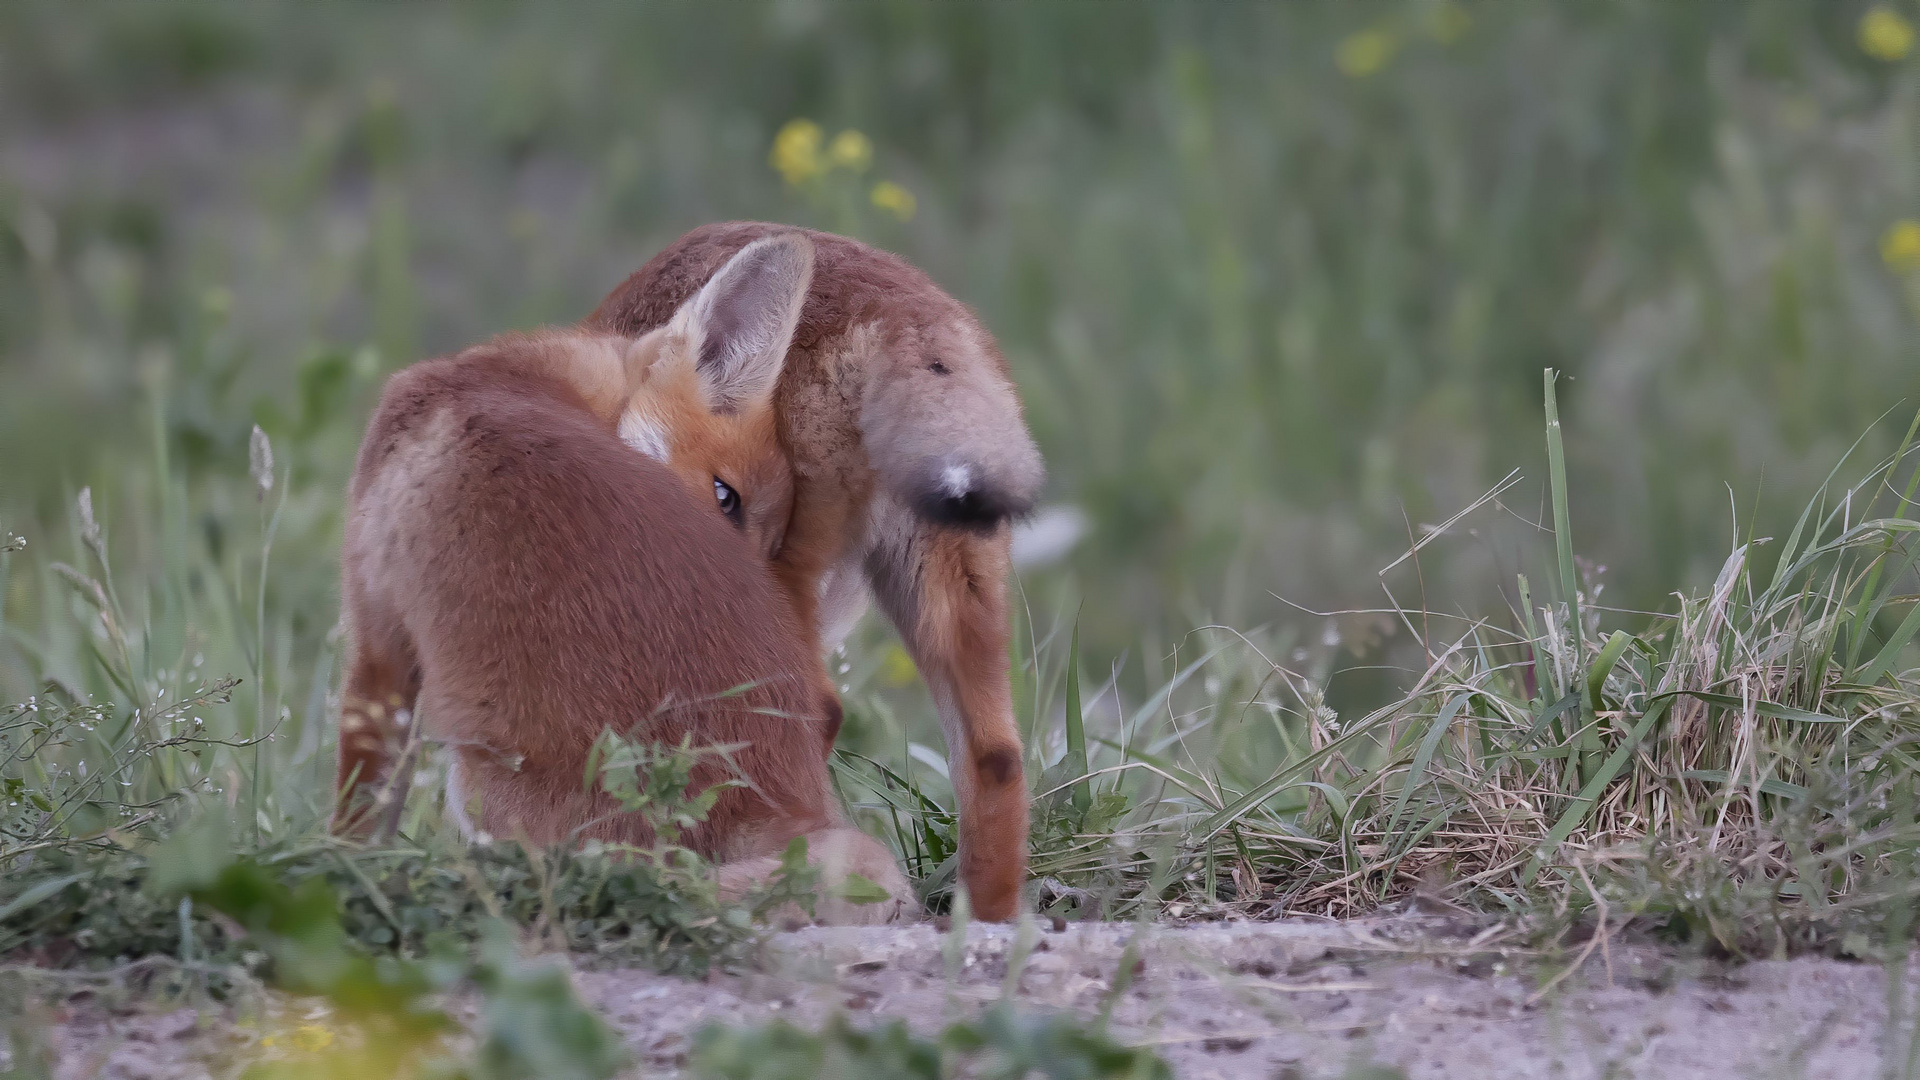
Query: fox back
pixel 548 583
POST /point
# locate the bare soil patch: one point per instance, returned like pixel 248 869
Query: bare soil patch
pixel 1433 998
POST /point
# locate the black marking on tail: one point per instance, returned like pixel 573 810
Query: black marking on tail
pixel 980 507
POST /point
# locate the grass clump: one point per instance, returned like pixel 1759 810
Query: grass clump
pixel 80 892
pixel 1732 769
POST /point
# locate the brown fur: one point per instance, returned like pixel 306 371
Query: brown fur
pixel 890 386
pixel 521 580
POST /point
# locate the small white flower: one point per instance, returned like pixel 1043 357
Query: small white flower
pixel 89 528
pixel 260 460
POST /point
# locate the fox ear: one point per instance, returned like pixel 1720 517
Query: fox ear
pixel 738 326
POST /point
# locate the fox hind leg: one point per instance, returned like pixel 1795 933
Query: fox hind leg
pixel 376 712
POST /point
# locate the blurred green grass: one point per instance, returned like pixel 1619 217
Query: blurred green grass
pixel 1277 281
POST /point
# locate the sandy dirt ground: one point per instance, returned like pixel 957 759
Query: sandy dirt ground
pixel 1293 999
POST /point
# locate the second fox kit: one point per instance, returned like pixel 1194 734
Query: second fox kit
pixel 904 434
pixel 522 581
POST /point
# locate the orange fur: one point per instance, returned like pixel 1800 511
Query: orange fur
pixel 521 580
pixel 908 454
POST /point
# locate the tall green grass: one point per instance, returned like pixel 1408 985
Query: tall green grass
pixel 1725 768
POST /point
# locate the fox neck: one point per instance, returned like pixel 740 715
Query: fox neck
pixel 604 370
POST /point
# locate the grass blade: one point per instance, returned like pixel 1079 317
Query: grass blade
pixel 1424 756
pixel 1076 729
pixel 1551 713
pixel 36 893
pixel 1603 666
pixel 1562 530
pixel 1889 654
pixel 1769 786
pixel 1760 708
pixel 1570 819
pixel 1868 609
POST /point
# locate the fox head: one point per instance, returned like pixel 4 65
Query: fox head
pixel 702 398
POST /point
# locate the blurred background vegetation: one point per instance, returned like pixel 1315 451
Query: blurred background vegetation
pixel 1277 281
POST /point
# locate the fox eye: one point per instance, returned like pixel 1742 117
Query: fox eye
pixel 729 500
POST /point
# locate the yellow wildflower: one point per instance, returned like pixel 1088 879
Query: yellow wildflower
pixel 1885 34
pixel 1900 245
pixel 851 150
pixel 312 1038
pixel 1364 53
pixel 1449 22
pixel 894 199
pixel 897 668
pixel 796 151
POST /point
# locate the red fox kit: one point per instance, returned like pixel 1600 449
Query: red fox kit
pixel 520 579
pixel 909 455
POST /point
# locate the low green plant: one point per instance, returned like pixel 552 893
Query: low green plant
pixel 85 898
pixel 1002 1044
pixel 657 781
pixel 532 1025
